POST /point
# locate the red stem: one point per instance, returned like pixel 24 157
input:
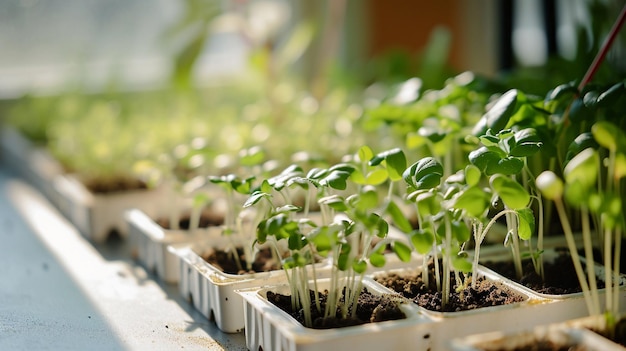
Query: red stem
pixel 603 51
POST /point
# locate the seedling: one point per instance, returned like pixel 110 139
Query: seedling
pixel 584 190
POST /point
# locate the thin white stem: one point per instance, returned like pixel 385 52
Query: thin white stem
pixel 608 276
pixel 512 230
pixel 588 247
pixel 446 265
pixel 616 281
pixel 540 234
pixel 478 238
pixel 569 238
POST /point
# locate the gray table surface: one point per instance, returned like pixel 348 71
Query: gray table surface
pixel 58 291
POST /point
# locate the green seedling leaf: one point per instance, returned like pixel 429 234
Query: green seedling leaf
pixel 317 173
pixel 289 262
pixel 242 186
pixel 506 166
pixel 590 99
pixel 422 240
pixel 461 264
pixel 346 167
pixel 366 200
pixel 620 166
pixel 424 174
pixel 365 153
pixel 608 205
pixel 609 136
pixel 489 140
pixel 295 260
pixel 252 156
pixel 265 187
pixel 526 220
pixel 222 180
pixel 511 192
pixel 321 238
pixel 414 140
pixel 255 198
pixel 261 233
pixel 491 162
pixel 472 175
pixel 583 169
pixel 460 231
pixel 550 185
pixel 336 179
pixel 527 143
pixel 577 194
pixel 428 203
pixel 377 259
pixel 611 95
pixel 529 115
pixel 287 208
pixel 580 112
pixel 563 90
pixel 200 200
pixel 582 142
pixel 296 241
pixel 359 266
pixel 395 161
pixel 498 116
pixel 402 250
pixel 298 181
pixel 432 133
pixel 505 133
pixel 473 200
pixel 343 260
pixel 335 202
pixel 483 157
pixel 280 181
pixel 398 217
pixel 375 224
pixel 376 177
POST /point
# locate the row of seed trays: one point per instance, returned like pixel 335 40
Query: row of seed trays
pixel 389 218
pixel 385 230
pixel 379 250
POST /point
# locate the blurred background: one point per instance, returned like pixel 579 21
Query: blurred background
pixel 55 44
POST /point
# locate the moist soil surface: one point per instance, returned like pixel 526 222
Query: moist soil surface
pixel 223 260
pixel 370 309
pixel 560 276
pixel 113 185
pixel 619 335
pixel 541 345
pixel 207 219
pixel 486 293
pixel 544 345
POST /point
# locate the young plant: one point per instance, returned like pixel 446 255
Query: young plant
pixel 233 220
pixel 585 190
pixel 502 158
pixel 441 223
pixel 374 170
pixel 347 242
pixel 355 248
pixel 422 179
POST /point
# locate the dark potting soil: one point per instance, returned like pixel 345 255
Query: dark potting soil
pixel 264 262
pixel 486 293
pixel 370 309
pixel 620 332
pixel 542 345
pixel 619 335
pixel 113 185
pixel 598 258
pixel 207 219
pixel 560 276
